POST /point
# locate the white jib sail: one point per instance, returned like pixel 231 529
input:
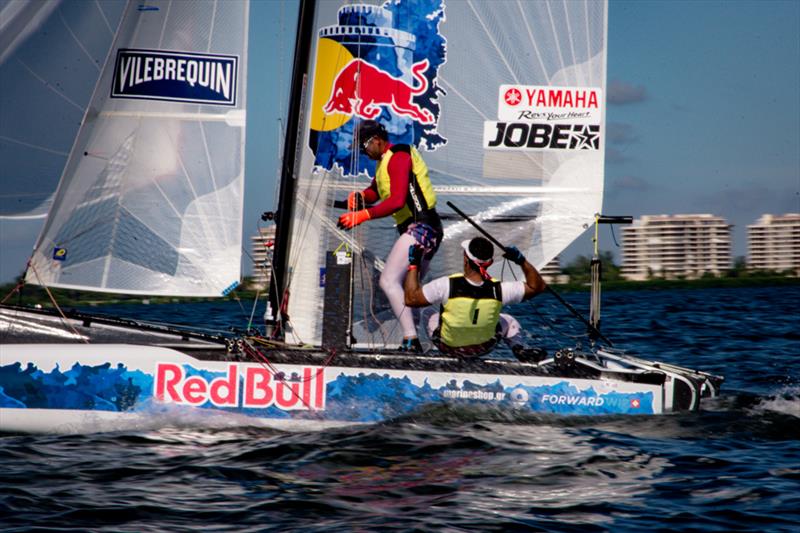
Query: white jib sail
pixel 151 199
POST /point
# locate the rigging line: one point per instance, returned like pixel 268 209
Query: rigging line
pixel 103 16
pixel 164 25
pixel 13 291
pixel 588 42
pixel 302 233
pixel 340 233
pixel 34 146
pixel 533 42
pixel 613 236
pixel 278 163
pixel 92 60
pixel 211 28
pixel 571 44
pixel 494 43
pixel 362 272
pixel 241 306
pixel 371 307
pixel 53 300
pixel 368 297
pixel 51 87
pixel 485 118
pixel 262 359
pixel 555 37
pixel 306 225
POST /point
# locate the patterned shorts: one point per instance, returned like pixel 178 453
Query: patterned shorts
pixel 426 236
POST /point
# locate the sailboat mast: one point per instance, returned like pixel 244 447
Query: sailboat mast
pixel 304 38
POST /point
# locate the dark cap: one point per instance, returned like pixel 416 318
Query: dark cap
pixel 371 128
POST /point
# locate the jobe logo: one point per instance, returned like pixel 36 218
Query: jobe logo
pixel 259 388
pixel 362 88
pixel 532 135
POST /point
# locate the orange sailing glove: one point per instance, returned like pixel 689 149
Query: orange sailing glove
pixel 353 219
pixel 355 201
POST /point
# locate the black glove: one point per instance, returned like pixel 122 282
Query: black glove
pixel 514 255
pixel 415 253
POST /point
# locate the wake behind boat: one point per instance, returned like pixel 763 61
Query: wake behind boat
pixel 150 202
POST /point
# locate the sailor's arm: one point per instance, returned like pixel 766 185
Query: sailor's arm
pixel 414 296
pixel 399 169
pixel 534 283
pixel 413 289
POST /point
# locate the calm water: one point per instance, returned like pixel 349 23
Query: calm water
pixel 733 467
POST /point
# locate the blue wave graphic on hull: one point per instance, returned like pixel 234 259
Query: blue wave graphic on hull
pixel 94 388
pixel 365 397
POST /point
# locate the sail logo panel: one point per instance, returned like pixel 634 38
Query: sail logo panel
pixel 545 118
pixel 367 68
pixel 175 76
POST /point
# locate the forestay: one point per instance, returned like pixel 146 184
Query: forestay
pixel 506 102
pixel 150 200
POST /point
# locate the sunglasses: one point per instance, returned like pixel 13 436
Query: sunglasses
pixel 365 144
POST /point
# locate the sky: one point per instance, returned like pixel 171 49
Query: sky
pixel 703 115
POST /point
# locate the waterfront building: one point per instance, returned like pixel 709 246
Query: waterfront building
pixel 262 246
pixel 676 246
pixel 773 243
pixel 551 273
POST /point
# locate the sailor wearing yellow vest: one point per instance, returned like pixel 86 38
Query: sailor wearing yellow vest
pixel 469 321
pixel 404 189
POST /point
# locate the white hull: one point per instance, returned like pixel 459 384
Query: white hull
pixel 51 382
pixel 76 388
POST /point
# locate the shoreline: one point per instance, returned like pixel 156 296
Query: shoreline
pixel 33 295
pixel 705 283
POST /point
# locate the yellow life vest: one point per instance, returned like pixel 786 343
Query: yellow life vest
pixel 471 313
pixel 420 197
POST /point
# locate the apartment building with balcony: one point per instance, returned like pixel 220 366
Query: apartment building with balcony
pixel 262 245
pixel 773 243
pixel 676 246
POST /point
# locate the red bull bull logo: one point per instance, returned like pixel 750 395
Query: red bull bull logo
pixel 361 88
pixel 377 62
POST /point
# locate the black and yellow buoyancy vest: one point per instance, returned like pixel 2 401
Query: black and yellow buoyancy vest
pixel 471 313
pixel 420 198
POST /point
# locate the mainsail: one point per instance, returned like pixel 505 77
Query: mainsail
pixel 505 100
pixel 151 198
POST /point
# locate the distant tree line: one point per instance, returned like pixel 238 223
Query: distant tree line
pixel 579 272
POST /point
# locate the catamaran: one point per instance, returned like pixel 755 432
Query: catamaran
pixel 506 101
